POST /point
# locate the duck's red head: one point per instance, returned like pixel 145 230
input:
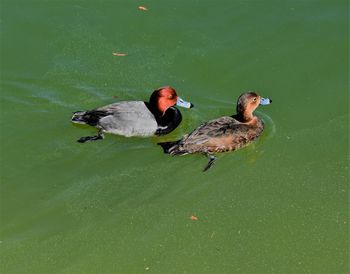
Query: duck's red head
pixel 166 97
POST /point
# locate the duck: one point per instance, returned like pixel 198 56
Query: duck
pixel 227 133
pixel 157 117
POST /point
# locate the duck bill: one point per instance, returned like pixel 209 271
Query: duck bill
pixel 265 101
pixel 182 103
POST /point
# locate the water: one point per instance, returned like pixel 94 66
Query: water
pixel 121 205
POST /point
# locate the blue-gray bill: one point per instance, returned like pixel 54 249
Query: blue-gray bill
pixel 182 103
pixel 265 101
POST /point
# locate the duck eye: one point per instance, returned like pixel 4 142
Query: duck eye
pixel 254 99
pixel 171 97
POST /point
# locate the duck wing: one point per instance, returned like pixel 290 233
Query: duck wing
pixel 128 118
pixel 219 135
pixel 211 129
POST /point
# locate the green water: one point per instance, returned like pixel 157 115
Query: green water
pixel 120 205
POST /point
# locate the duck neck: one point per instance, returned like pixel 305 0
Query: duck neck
pixel 244 116
pixel 152 106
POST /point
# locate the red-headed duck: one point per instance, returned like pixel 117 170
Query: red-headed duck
pixel 135 118
pixel 227 133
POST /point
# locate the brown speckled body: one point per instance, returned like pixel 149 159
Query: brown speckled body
pixel 219 135
pixel 227 133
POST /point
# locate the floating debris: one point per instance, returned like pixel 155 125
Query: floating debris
pixel 194 218
pixel 142 8
pixel 119 54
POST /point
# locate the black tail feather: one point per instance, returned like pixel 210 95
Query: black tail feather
pixel 169 147
pixel 78 117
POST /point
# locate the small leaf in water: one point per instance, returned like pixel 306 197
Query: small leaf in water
pixel 142 8
pixel 119 54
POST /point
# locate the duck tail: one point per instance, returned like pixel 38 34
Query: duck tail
pixel 172 148
pixel 78 117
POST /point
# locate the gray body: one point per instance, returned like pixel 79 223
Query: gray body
pixel 127 118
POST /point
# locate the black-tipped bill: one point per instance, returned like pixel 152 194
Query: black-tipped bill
pixel 182 103
pixel 265 101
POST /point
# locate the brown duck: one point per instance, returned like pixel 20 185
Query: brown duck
pixel 227 133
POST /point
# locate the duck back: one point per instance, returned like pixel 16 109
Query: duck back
pixel 129 118
pixel 219 135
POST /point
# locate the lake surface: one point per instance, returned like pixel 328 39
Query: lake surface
pixel 120 205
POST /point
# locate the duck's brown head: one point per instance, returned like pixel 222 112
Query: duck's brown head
pixel 166 97
pixel 247 103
